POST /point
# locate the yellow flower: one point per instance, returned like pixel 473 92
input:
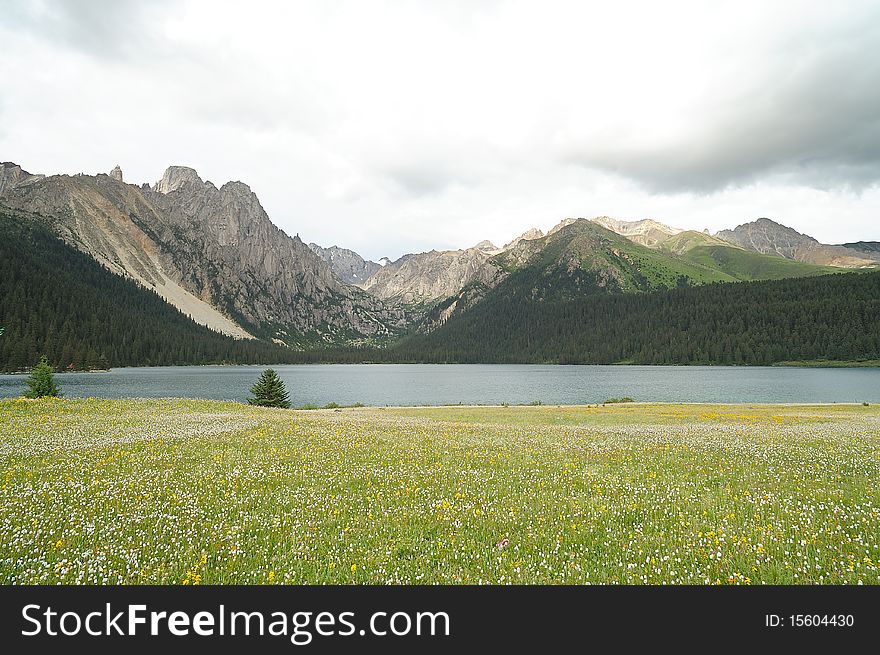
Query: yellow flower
pixel 354 568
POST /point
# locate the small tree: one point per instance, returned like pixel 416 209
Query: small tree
pixel 41 383
pixel 269 391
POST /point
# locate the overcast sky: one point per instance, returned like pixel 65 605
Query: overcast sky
pixel 391 127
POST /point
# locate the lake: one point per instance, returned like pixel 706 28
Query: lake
pixel 445 384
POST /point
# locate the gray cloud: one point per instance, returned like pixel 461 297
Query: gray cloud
pixel 401 126
pixel 419 177
pixel 812 117
pixel 102 28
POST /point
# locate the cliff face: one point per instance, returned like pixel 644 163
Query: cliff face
pixel 430 276
pixel 209 249
pixel 770 238
pixel 346 264
pixel 646 232
pixel 12 175
pixel 528 235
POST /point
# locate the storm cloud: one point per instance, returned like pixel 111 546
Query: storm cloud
pixel 808 113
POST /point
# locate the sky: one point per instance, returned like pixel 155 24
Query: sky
pixel 395 127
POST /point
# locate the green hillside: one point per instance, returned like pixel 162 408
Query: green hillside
pixel 583 260
pixel 712 253
pixel 57 301
pixel 584 257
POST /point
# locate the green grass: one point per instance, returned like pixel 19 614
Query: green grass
pixel 185 492
pixel 747 266
pixel 714 254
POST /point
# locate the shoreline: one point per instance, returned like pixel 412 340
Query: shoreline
pixel 529 406
pixel 794 364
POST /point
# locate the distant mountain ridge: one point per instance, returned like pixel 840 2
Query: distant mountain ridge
pixel 661 256
pixel 647 232
pixel 430 276
pixel 348 266
pixel 863 246
pixel 770 238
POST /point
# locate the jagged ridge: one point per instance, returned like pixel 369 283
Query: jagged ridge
pixel 212 252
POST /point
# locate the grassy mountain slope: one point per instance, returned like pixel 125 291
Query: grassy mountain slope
pixel 584 257
pixel 712 253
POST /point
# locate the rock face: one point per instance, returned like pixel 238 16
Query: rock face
pixel 12 176
pixel 646 232
pixel 488 247
pixel 175 177
pixel 116 173
pixel 348 266
pixel 528 235
pixel 770 238
pixel 212 252
pixel 94 214
pixel 430 276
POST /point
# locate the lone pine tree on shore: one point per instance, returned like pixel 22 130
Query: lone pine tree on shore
pixel 269 391
pixel 41 382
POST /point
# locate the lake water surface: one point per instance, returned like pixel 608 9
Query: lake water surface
pixel 442 384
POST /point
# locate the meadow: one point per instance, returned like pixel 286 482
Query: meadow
pixel 202 492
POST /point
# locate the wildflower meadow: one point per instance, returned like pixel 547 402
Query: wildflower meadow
pixel 196 492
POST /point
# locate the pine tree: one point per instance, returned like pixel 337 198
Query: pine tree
pixel 269 391
pixel 41 383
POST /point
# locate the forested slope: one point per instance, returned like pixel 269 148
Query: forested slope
pixel 828 317
pixel 57 301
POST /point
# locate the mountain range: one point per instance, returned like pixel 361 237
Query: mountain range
pixel 214 254
pixel 211 252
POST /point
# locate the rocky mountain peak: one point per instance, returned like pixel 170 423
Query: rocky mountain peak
pixel 487 247
pixel 430 276
pixel 348 265
pixel 771 238
pixel 237 188
pixel 213 253
pixel 528 235
pixel 767 237
pixel 12 175
pixel 646 232
pixel 175 177
pixel 565 222
pixel 116 173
